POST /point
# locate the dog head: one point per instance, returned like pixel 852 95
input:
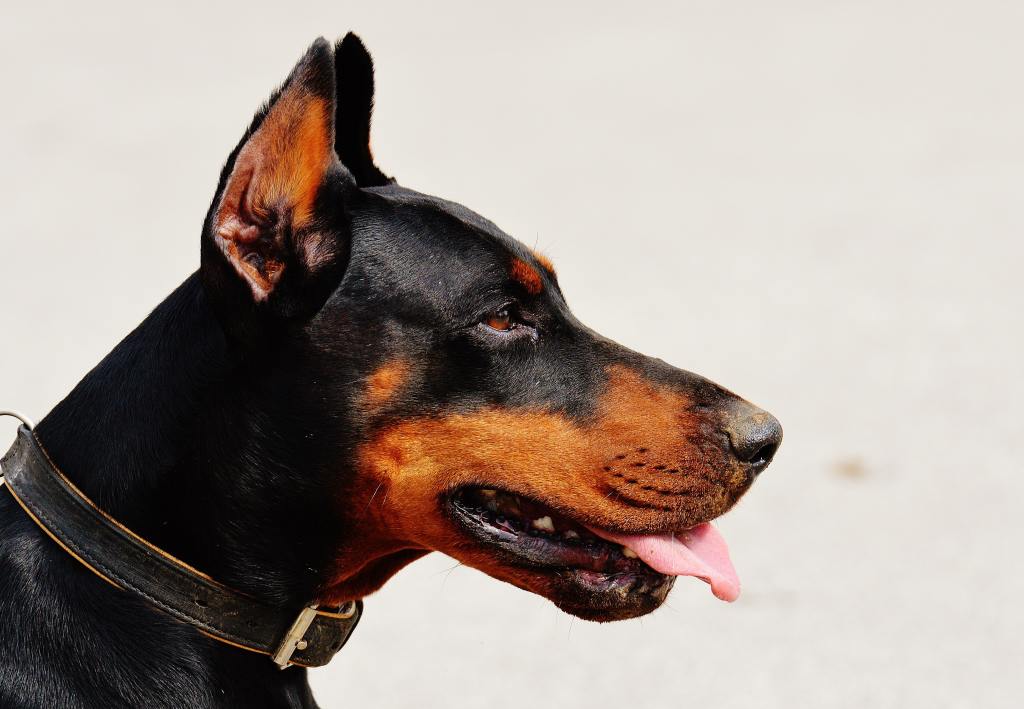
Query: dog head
pixel 433 390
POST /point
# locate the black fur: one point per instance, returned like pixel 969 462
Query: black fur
pixel 354 69
pixel 218 423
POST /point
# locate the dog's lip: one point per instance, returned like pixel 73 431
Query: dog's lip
pixel 595 583
pixel 581 519
pixel 552 540
pixel 699 550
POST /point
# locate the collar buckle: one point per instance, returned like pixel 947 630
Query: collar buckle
pixel 293 639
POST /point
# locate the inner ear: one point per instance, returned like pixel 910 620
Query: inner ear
pixel 354 73
pixel 265 223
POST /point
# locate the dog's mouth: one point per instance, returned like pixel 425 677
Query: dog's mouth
pixel 629 574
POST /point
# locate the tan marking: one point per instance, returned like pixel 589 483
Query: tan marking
pixel 586 469
pixel 550 457
pixel 527 276
pixel 384 383
pixel 283 163
pixel 294 146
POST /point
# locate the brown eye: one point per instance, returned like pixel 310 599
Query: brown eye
pixel 499 320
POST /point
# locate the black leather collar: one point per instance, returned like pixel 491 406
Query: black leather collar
pixel 309 637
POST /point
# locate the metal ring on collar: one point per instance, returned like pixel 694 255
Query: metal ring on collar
pixel 21 417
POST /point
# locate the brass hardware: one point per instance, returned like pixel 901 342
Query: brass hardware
pixel 293 638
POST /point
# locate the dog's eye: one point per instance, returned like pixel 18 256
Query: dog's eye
pixel 507 324
pixel 500 320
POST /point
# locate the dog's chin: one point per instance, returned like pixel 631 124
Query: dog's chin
pixel 602 597
pixel 521 542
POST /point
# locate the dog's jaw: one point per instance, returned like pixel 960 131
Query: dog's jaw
pixel 646 462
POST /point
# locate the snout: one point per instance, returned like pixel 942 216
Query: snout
pixel 754 435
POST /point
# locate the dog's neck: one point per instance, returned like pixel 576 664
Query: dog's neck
pixel 162 436
pixel 128 425
pixel 157 436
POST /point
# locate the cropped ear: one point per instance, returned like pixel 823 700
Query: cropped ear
pixel 354 69
pixel 267 240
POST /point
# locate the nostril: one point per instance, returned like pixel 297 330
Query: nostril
pixel 764 454
pixel 755 438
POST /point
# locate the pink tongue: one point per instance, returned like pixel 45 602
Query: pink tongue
pixel 699 552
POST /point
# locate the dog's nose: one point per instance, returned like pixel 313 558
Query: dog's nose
pixel 754 435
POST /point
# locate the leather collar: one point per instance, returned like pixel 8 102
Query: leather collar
pixel 309 637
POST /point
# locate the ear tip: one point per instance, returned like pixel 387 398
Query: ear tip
pixel 351 39
pixel 352 46
pixel 316 68
pixel 317 52
pixel 320 51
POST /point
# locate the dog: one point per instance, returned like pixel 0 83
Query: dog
pixel 357 375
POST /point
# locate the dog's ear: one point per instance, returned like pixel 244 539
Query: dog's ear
pixel 273 237
pixel 354 70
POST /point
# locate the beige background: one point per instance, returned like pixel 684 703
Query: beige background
pixel 817 204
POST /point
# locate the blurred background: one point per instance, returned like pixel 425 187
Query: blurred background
pixel 816 204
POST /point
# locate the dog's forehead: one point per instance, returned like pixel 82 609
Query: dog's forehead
pixel 411 200
pixel 429 218
pixel 411 243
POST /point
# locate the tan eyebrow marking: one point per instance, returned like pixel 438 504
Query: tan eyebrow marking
pixel 527 276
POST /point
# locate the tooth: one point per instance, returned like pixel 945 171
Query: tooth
pixel 569 534
pixel 488 493
pixel 491 505
pixel 629 553
pixel 544 524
